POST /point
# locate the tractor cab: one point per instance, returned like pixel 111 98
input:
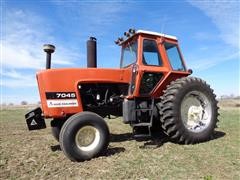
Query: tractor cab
pixel 154 58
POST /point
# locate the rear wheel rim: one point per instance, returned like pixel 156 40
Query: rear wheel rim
pixel 196 111
pixel 87 138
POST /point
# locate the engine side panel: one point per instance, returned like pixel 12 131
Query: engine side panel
pixel 103 98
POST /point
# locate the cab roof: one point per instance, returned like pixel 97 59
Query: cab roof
pixel 156 34
pixel 130 35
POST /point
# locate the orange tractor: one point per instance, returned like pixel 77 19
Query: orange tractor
pixel 152 91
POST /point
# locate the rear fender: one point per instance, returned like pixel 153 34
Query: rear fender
pixel 171 76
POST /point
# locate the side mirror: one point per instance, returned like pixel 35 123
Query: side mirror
pixel 190 71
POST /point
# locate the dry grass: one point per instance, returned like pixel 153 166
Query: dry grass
pixel 229 103
pixel 36 155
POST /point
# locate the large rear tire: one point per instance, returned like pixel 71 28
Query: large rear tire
pixel 188 111
pixel 83 136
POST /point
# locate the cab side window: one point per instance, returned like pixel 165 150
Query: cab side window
pixel 174 57
pixel 151 55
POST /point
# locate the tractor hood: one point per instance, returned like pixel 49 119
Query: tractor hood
pixel 55 78
pixel 67 80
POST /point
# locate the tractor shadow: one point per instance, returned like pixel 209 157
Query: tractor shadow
pixel 217 135
pixel 121 137
pixel 113 151
pixel 157 140
pixel 55 148
pixel 110 151
pixel 160 139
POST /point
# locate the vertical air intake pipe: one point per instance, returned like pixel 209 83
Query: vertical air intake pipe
pixel 92 52
pixel 49 49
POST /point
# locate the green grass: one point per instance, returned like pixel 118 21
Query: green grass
pixel 27 155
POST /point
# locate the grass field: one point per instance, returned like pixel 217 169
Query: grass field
pixel 36 155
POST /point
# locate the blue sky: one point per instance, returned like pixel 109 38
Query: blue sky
pixel 208 33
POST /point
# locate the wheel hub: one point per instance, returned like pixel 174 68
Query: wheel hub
pixel 196 111
pixel 87 138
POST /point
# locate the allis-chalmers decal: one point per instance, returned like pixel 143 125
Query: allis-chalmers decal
pixel 61 99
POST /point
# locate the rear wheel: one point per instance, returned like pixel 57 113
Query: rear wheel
pixel 84 135
pixel 188 111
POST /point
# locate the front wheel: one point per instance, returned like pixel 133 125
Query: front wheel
pixel 56 125
pixel 83 136
pixel 188 111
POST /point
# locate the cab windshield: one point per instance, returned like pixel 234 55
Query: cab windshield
pixel 129 54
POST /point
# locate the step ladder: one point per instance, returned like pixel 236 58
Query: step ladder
pixel 144 125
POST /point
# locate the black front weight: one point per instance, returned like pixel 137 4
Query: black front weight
pixel 35 119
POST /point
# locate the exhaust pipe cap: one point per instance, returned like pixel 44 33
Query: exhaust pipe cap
pixel 48 48
pixel 92 38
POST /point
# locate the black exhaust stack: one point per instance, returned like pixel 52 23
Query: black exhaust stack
pixel 92 52
pixel 49 49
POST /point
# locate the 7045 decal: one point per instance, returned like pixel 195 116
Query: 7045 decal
pixel 60 95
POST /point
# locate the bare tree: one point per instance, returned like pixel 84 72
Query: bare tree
pixel 24 103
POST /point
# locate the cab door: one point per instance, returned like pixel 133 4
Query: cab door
pixel 152 68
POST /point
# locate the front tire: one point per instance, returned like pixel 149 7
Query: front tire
pixel 188 111
pixel 83 136
pixel 56 126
